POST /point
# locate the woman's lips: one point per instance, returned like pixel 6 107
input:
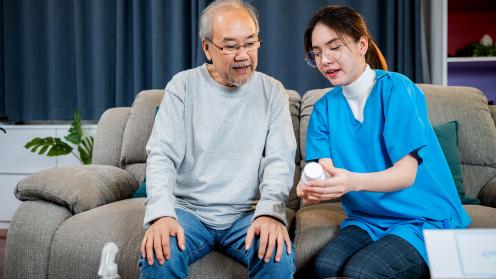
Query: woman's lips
pixel 332 73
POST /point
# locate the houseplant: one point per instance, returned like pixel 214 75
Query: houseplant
pixel 76 143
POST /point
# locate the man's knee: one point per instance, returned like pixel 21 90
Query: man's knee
pixel 175 267
pixel 284 268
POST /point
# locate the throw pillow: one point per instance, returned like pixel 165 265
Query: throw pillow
pixel 141 191
pixel 447 135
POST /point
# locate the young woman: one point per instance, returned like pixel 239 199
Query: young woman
pixel 372 136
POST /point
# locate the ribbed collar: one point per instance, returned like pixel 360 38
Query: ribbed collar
pixel 357 92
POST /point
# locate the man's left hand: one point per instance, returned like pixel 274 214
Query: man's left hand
pixel 271 233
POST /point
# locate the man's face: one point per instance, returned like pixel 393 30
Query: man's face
pixel 230 28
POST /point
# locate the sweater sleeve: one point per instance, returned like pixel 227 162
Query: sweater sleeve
pixel 165 149
pixel 277 165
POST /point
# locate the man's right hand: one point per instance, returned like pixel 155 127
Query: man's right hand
pixel 157 239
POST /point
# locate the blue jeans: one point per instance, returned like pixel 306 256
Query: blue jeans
pixel 201 240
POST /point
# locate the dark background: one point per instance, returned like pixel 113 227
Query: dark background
pixel 59 56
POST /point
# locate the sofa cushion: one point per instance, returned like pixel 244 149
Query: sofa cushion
pixel 307 102
pixel 141 191
pixel 139 127
pixel 467 105
pixel 294 109
pixel 78 188
pixel 475 178
pixel 477 131
pixel 447 135
pixel 29 239
pixel 108 139
pixel 482 216
pixel 316 226
pixel 122 223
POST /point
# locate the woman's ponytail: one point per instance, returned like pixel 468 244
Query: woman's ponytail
pixel 374 57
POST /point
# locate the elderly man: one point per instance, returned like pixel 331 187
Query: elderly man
pixel 220 158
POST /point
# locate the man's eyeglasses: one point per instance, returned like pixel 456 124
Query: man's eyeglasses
pixel 314 57
pixel 233 49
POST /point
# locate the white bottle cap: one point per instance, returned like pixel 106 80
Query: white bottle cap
pixel 312 171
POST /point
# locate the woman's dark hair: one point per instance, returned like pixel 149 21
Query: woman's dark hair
pixel 346 21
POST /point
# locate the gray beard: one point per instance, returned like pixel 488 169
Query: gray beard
pixel 238 83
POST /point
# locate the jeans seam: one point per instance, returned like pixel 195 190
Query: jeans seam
pixel 247 260
pixel 198 248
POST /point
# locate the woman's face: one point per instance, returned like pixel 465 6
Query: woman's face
pixel 340 60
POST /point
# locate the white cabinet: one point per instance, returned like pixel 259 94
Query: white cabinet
pixel 16 162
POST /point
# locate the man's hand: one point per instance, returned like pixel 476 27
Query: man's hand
pixel 272 233
pixel 157 239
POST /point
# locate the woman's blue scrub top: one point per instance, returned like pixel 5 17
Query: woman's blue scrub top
pixel 395 124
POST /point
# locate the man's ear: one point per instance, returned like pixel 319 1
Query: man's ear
pixel 206 50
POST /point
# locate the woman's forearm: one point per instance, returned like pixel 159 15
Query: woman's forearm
pixel 397 177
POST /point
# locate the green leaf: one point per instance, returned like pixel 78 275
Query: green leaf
pixel 75 131
pixel 86 150
pixel 59 148
pixel 43 149
pixel 54 146
pixel 33 142
pixel 85 156
pixel 36 143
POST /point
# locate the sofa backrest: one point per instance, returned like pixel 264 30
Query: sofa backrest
pixel 140 123
pixel 138 129
pixel 477 131
pixel 109 134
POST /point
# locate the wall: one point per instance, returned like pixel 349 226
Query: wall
pixel 465 27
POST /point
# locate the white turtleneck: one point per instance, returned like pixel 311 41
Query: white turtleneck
pixel 357 92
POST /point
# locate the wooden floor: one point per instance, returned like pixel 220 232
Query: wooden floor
pixel 3 234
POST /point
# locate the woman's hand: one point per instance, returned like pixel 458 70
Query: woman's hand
pixel 341 181
pixel 306 198
pixel 338 183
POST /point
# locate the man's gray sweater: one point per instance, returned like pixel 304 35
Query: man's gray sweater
pixel 218 151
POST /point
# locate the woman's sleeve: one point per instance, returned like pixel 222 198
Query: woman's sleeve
pixel 405 120
pixel 317 143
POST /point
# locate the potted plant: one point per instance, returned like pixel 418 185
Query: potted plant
pixel 54 146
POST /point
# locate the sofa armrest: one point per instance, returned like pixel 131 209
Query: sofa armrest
pixel 29 238
pixel 316 225
pixel 487 194
pixel 78 188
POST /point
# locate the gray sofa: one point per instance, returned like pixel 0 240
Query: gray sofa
pixel 69 213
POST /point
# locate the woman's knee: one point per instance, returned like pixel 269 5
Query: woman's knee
pixel 326 267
